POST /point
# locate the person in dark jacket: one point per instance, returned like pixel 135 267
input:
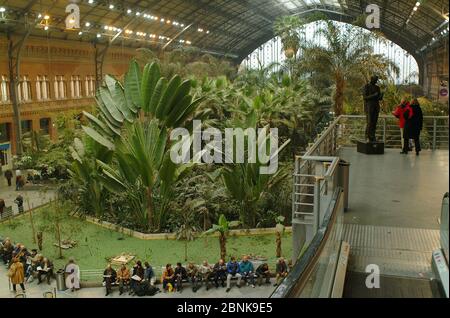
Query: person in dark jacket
pixel 19 202
pixel 372 96
pixel 281 271
pixel 8 176
pixel 180 275
pixel 109 277
pixel 220 273
pixel 414 125
pixel 137 277
pixel 2 207
pixel 45 269
pixel 263 272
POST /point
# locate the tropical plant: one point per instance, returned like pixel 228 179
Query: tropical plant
pixel 288 28
pixel 222 228
pixel 347 56
pixel 187 229
pixel 134 122
pixel 245 181
pixel 280 228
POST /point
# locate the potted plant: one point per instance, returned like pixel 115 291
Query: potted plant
pixel 288 28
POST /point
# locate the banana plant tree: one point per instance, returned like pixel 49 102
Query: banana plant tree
pixel 223 227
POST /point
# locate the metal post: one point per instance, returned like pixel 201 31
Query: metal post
pixel 434 133
pixel 316 213
pixel 384 130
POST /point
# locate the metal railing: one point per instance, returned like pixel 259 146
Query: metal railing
pixel 434 134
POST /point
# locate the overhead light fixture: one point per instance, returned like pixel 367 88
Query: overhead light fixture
pixel 129 11
pixel 46 17
pixel 91 1
pixel 80 33
pixel 99 35
pixel 46 28
pixel 138 13
pixel 87 24
pixel 111 6
pixel 2 9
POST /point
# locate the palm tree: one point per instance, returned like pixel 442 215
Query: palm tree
pixel 346 56
pixel 223 227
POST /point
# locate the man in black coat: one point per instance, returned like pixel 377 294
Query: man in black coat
pixel 414 125
pixel 372 97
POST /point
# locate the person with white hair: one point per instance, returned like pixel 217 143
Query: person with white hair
pixel 72 275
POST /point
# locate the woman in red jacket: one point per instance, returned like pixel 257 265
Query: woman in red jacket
pixel 402 110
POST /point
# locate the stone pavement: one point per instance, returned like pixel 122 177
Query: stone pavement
pixel 33 197
pixel 33 290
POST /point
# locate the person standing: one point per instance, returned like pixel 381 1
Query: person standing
pixel 403 112
pixel 19 202
pixel 372 96
pixel 8 175
pixel 414 125
pixel 16 274
pixel 2 207
pixel 72 275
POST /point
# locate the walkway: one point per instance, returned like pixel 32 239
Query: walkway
pixel 33 197
pixel 394 212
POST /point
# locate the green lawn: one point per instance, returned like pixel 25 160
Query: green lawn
pixel 96 245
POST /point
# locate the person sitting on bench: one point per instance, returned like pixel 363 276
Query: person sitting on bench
pixel 281 270
pixel 220 273
pixel 233 270
pixel 205 273
pixel 193 276
pixel 247 271
pixel 109 277
pixel 149 275
pixel 180 275
pixel 45 269
pixel 168 277
pixel 123 277
pixel 137 277
pixel 263 272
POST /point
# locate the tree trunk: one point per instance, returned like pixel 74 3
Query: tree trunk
pixel 150 208
pixel 58 235
pixel 223 246
pixel 278 241
pixel 185 251
pixel 40 239
pixel 339 96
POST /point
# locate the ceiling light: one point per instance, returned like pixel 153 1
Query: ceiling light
pixel 46 17
pixel 2 9
pixel 91 1
pixel 417 4
pixel 129 11
pixel 46 28
pixel 87 24
pixel 80 33
pixel 415 9
pixel 39 15
pixel 138 13
pixel 111 6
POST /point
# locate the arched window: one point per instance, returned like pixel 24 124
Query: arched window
pixel 4 89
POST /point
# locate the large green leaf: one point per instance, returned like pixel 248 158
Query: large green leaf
pixel 98 137
pixel 133 85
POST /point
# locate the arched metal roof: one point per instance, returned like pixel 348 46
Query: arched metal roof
pixel 233 27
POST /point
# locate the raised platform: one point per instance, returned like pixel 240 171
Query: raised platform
pixel 370 148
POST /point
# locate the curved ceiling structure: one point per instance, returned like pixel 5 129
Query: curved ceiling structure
pixel 227 27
